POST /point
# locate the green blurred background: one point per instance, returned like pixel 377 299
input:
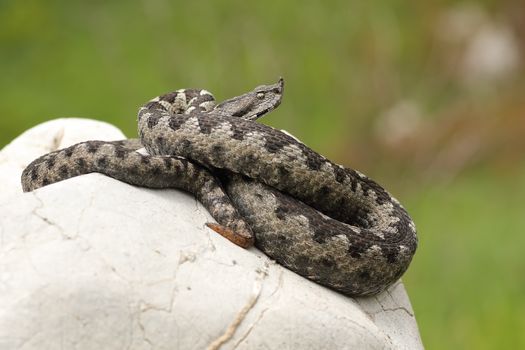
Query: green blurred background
pixel 427 97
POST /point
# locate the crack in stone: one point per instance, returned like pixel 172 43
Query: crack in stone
pixel 411 314
pixel 371 315
pixel 261 314
pixel 241 315
pixel 185 257
pixel 143 331
pixel 252 326
pixel 393 309
pixel 45 219
pixel 382 297
pixel 144 306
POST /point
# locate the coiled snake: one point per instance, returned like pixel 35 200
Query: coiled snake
pixel 330 224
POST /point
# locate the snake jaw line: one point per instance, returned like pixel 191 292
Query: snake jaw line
pixel 254 104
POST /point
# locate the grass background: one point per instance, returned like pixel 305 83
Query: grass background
pixel 398 90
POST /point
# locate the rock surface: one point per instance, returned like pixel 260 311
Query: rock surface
pixel 93 263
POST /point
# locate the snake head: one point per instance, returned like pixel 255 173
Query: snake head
pixel 254 104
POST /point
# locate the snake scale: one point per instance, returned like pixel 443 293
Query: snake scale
pixel 330 224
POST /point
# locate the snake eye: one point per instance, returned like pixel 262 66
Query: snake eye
pixel 260 95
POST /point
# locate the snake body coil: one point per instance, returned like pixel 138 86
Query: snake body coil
pixel 330 224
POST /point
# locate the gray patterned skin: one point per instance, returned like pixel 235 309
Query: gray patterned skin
pixel 330 224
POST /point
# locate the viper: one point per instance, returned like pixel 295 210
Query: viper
pixel 330 224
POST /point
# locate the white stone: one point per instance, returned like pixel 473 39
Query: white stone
pixel 93 263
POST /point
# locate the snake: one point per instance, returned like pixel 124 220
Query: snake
pixel 330 224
